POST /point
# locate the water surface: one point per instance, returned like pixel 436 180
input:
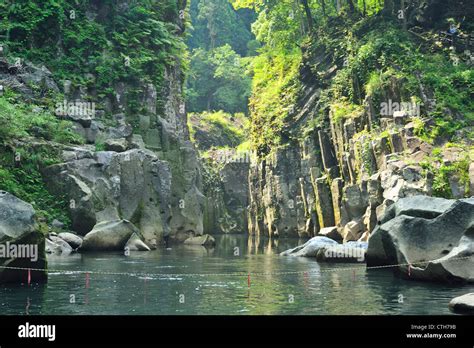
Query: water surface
pixel 174 284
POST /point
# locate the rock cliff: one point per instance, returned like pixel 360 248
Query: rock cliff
pixel 342 163
pixel 136 161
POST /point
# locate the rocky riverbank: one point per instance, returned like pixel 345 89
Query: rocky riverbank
pixel 418 238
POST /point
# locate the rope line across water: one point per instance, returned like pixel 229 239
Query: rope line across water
pixel 230 274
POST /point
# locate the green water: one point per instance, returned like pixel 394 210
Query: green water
pixel 306 288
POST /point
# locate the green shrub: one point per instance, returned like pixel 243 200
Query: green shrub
pixel 21 163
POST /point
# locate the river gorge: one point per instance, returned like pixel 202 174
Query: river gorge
pixel 237 157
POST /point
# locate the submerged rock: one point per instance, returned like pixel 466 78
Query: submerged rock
pixel 19 230
pixel 205 240
pixel 463 304
pixel 117 145
pixel 432 235
pixel 109 235
pixel 353 230
pixel 417 206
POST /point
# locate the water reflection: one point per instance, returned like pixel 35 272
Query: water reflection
pixel 174 284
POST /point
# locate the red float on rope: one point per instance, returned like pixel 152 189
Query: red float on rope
pixel 87 280
pixel 29 276
pixel 248 280
pixel 409 270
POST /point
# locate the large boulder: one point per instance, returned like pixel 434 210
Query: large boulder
pixel 310 248
pixel 463 304
pixel 19 232
pixel 117 145
pixel 353 230
pixel 427 238
pixel 33 75
pixel 109 235
pixel 57 225
pixel 73 240
pixel 106 186
pixel 56 245
pixel 417 206
pixel 52 248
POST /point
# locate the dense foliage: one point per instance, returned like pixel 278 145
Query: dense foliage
pixel 215 23
pixel 130 42
pixel 218 129
pixel 219 40
pixel 369 47
pixel 25 150
pixel 217 81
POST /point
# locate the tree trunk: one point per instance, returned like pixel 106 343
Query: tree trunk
pixel 323 7
pixel 351 6
pixel 309 16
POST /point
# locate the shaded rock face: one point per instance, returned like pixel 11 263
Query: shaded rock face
pixel 19 231
pixel 149 175
pixel 282 194
pixel 435 237
pixel 227 200
pixel 56 245
pixel 160 194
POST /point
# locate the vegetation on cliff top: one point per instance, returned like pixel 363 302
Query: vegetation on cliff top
pixel 24 151
pixel 113 44
pixel 220 42
pixel 369 50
